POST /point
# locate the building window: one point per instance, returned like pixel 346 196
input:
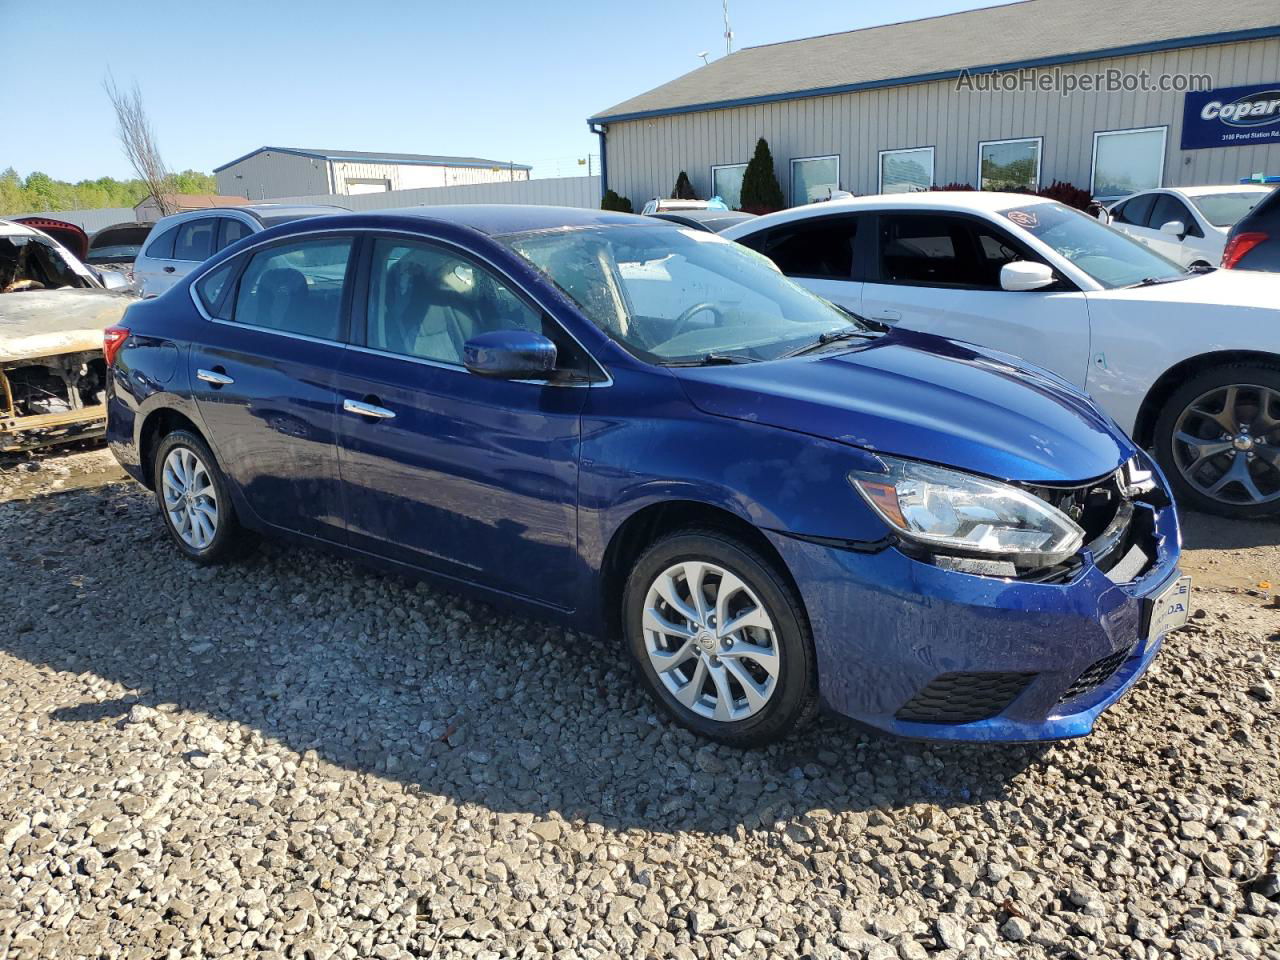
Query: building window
pixel 906 171
pixel 1010 165
pixel 1126 161
pixel 726 183
pixel 813 179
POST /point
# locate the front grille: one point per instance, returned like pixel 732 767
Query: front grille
pixel 964 697
pixel 1097 674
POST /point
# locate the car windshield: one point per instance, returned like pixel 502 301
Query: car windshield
pixel 1107 255
pixel 676 294
pixel 33 263
pixel 1224 209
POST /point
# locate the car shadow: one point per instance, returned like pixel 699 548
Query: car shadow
pixel 397 679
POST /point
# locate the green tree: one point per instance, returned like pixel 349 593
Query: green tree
pixel 615 203
pixel 684 188
pixel 760 190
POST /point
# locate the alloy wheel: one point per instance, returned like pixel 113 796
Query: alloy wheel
pixel 190 499
pixel 711 641
pixel 1226 444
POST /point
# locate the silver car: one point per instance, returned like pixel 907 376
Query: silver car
pixel 180 242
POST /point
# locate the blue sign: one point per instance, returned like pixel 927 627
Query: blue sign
pixel 1232 117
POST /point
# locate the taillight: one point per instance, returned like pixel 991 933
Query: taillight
pixel 113 339
pixel 1239 245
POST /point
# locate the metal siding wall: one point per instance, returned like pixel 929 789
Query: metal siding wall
pixel 90 221
pixel 646 155
pixel 270 176
pixel 554 191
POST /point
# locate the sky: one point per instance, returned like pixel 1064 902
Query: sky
pixel 500 79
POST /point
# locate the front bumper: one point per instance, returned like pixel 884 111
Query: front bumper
pixel 897 637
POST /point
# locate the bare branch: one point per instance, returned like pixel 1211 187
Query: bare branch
pixel 138 141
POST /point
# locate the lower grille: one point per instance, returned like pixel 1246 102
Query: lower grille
pixel 1098 674
pixel 964 697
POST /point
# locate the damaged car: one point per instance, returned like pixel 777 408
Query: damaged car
pixel 53 310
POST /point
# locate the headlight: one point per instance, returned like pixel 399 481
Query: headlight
pixel 958 513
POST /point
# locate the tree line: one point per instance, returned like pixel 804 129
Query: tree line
pixel 38 192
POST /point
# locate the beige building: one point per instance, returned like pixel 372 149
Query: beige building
pixel 270 172
pixel 147 209
pixel 1109 95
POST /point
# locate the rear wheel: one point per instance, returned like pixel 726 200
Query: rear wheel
pixel 720 639
pixel 195 501
pixel 1218 440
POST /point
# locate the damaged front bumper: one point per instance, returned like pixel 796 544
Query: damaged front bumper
pixel 50 400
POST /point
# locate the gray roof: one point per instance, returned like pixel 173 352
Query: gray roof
pixel 364 156
pixel 1030 33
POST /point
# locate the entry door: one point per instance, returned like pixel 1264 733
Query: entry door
pixel 941 274
pixel 471 477
pixel 263 377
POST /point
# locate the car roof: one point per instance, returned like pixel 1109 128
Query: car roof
pixel 497 219
pixel 262 212
pixel 1208 191
pixel 952 201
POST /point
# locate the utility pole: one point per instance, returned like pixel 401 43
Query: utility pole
pixel 728 33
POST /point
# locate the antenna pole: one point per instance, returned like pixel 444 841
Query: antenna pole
pixel 728 33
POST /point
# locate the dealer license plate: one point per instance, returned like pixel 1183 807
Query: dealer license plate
pixel 1169 610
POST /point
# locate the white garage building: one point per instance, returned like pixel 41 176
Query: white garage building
pixel 1108 95
pixel 270 172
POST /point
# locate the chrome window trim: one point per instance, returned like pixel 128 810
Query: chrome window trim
pixel 195 276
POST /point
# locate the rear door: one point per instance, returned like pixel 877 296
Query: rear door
pixel 176 252
pixel 940 273
pixel 468 476
pixel 263 377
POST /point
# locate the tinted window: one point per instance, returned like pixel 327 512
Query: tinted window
pixel 162 246
pixel 930 250
pixel 209 288
pixel 427 302
pixel 1137 210
pixel 230 231
pixel 195 239
pixel 994 249
pixel 296 287
pixel 1168 208
pixel 814 248
pixel 1225 209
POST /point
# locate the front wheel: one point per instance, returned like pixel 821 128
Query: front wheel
pixel 1218 440
pixel 721 639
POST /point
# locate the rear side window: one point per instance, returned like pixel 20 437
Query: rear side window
pixel 195 239
pixel 1136 211
pixel 821 247
pixel 296 288
pixel 161 248
pixel 230 231
pixel 211 286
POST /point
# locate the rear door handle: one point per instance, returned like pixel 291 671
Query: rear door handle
pixel 168 269
pixel 368 410
pixel 215 377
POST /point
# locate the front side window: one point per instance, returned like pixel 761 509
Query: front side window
pixel 726 183
pixel 1009 165
pixel 906 171
pixel 427 302
pixel 820 247
pixel 296 287
pixel 196 239
pixel 1127 161
pixel 1112 258
pixel 1167 208
pixel 813 179
pixel 926 249
pixel 673 295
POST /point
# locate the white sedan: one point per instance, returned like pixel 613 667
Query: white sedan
pixel 1189 225
pixel 1188 362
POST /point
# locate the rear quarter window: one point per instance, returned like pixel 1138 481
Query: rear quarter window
pixel 211 287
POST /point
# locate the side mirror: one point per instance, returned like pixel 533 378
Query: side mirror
pixel 510 355
pixel 1103 215
pixel 1021 275
pixel 1174 228
pixel 113 279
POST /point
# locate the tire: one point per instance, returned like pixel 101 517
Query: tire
pixel 785 697
pixel 1250 451
pixel 216 538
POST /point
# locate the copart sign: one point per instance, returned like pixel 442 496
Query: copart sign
pixel 1232 117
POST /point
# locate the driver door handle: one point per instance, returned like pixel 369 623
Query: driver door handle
pixel 368 409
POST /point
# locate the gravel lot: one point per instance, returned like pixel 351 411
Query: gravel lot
pixel 297 757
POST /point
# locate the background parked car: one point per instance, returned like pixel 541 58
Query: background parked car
pixel 713 221
pixel 1189 225
pixel 668 205
pixel 1188 363
pixel 1254 242
pixel 177 243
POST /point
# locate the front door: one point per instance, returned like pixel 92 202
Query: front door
pixel 263 380
pixel 940 274
pixel 467 476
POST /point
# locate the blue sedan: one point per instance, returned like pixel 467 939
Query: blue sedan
pixel 645 432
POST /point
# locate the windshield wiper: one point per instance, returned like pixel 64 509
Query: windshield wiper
pixel 1156 281
pixel 713 360
pixel 832 336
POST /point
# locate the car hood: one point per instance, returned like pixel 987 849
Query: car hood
pixel 41 323
pixel 1253 289
pixel 928 398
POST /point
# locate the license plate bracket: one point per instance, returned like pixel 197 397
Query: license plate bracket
pixel 1168 610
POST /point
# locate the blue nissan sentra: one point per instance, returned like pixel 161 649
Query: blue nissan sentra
pixel 647 433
